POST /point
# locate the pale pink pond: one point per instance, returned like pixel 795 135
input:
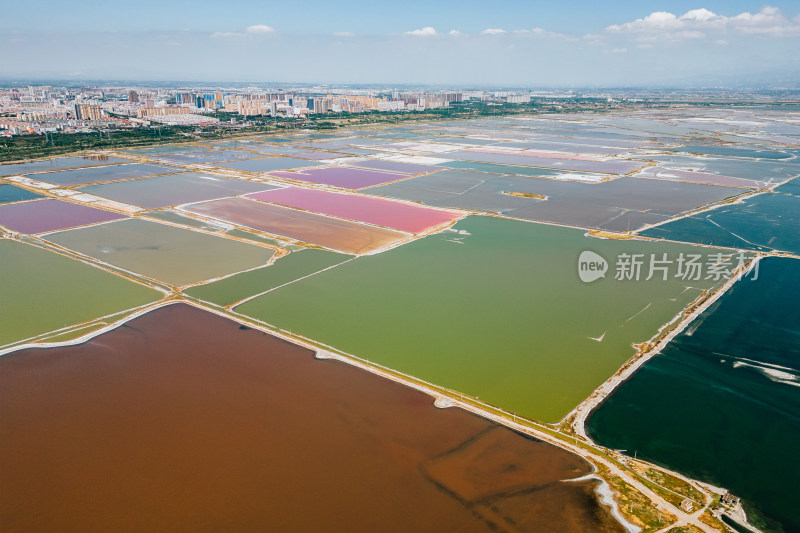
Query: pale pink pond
pixel 42 216
pixel 345 177
pixel 386 213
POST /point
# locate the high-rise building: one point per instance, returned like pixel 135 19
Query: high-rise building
pixel 319 105
pixel 144 112
pixel 133 96
pixel 518 99
pixel 88 112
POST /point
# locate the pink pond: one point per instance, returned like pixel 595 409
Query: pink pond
pixel 386 213
pixel 43 216
pixel 346 177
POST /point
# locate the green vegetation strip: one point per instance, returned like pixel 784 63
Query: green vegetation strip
pixel 634 505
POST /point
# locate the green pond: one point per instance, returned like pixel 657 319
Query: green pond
pixel 722 401
pixel 173 255
pixel 493 309
pixel 230 290
pixel 42 291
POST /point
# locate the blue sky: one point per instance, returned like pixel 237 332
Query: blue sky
pixel 460 43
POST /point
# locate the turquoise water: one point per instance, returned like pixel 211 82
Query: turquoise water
pixel 9 193
pixel 791 187
pixel 722 402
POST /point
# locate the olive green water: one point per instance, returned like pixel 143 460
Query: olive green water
pixel 239 286
pixel 42 291
pixel 496 311
pixel 165 253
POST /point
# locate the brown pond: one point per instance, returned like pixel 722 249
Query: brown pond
pixel 182 420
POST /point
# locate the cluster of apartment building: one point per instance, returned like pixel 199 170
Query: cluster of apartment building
pixel 39 109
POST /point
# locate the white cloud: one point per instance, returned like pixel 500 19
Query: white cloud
pixel 656 21
pixel 697 23
pixel 767 21
pixel 343 34
pixel 616 51
pixel 260 28
pixel 702 15
pixel 454 32
pixel 493 31
pixel 721 42
pixel 422 32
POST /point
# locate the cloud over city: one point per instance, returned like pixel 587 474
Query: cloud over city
pixel 642 48
pixel 698 23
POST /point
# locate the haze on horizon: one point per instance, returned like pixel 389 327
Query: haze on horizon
pixel 467 43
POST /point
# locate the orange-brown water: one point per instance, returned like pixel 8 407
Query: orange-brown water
pixel 182 420
pixel 336 234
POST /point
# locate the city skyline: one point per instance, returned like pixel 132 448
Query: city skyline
pixel 646 44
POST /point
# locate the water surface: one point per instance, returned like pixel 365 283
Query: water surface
pixel 722 402
pixel 494 309
pixel 182 420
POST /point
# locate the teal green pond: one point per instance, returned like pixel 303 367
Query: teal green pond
pixel 10 193
pixel 721 403
pixel 494 309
